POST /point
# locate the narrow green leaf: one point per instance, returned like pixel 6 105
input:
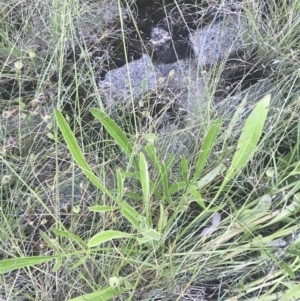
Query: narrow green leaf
pixel 130 174
pixel 49 241
pixel 170 161
pixel 150 137
pixel 288 270
pixel 57 265
pixel 207 147
pixel 291 209
pixel 249 138
pixel 12 264
pixel 262 208
pixel 291 294
pixel 161 223
pixel 151 152
pixel 78 263
pixel 264 203
pixel 67 234
pixel 209 177
pixel 155 189
pixel 105 294
pixel 151 234
pixel 102 209
pixel 236 118
pixel 134 196
pixel 197 197
pixel 120 183
pixel 106 236
pixel 131 210
pixel 114 130
pixel 76 152
pixel 177 187
pixel 145 183
pixel 164 181
pixel 128 285
pixel 143 240
pixel 295 252
pixel 184 170
pixel 131 218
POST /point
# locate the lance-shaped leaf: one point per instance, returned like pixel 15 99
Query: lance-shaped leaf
pixel 249 138
pixel 106 236
pixel 12 264
pixel 115 131
pixel 76 152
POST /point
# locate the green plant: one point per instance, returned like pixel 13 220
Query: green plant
pixel 219 222
pixel 153 223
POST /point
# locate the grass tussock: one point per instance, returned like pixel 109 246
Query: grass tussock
pixel 132 202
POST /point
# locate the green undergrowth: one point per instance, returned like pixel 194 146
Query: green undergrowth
pixel 161 233
pixel 96 204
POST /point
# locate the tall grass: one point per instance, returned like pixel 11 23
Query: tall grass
pixel 92 210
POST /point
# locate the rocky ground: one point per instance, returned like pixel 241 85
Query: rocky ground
pixel 162 66
pixel 179 75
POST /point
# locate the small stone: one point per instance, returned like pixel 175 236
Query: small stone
pixel 110 12
pixel 159 36
pixel 160 40
pixel 219 40
pixel 165 50
pixel 131 80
